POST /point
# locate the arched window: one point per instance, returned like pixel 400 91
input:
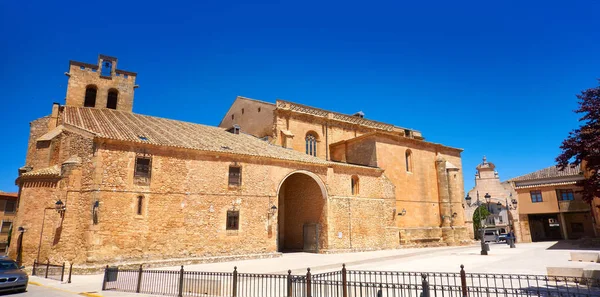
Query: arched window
pixel 113 97
pixel 408 157
pixel 140 204
pixel 355 185
pixel 311 144
pixel 90 96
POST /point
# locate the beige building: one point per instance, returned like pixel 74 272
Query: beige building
pixel 501 201
pixel 8 211
pixel 103 185
pixel 550 207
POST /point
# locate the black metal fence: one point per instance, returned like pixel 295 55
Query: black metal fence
pixel 51 271
pixel 345 283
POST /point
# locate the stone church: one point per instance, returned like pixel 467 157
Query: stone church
pixel 104 185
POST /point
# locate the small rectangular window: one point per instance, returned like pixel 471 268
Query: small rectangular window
pixel 233 220
pixel 5 227
pixel 235 176
pixel 536 196
pixel 566 195
pixel 3 247
pixel 142 167
pixel 10 206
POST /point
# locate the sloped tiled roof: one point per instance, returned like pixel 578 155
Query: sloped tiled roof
pixel 549 172
pixel 127 126
pixel 6 194
pixel 44 172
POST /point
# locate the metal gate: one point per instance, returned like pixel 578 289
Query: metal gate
pixel 311 237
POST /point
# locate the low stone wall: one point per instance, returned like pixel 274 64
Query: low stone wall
pixel 96 269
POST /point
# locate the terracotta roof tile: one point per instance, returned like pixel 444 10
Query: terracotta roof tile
pixel 549 172
pixel 126 126
pixel 44 172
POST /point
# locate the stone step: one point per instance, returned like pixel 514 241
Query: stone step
pixel 585 257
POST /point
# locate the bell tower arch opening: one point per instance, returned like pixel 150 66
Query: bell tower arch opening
pixel 302 213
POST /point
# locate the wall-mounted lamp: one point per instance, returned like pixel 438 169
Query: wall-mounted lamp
pixel 60 207
pixel 273 210
pixel 403 212
pixel 22 229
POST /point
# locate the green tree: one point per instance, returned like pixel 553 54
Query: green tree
pixel 481 213
pixel 582 144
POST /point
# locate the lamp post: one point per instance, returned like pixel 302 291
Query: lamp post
pixel 60 208
pixel 513 206
pixel 478 204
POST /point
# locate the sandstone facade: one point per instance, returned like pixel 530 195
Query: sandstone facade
pixel 138 189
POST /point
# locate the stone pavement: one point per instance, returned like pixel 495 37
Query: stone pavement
pixel 531 258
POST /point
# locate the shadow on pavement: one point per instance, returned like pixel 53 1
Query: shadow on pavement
pixel 580 244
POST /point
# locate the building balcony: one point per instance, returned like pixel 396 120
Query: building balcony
pixel 573 206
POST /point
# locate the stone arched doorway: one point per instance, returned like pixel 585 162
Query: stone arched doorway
pixel 302 215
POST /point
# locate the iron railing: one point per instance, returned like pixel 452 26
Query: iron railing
pixel 346 283
pixel 51 271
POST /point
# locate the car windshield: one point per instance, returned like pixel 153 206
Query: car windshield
pixel 7 265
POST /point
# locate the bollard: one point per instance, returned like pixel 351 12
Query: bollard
pixel 181 282
pixel 289 283
pixel 235 281
pixel 308 283
pixel 105 278
pixel 463 280
pixel 70 271
pixel 344 281
pixel 34 264
pixel 425 286
pixel 47 268
pixel 139 280
pixel 62 273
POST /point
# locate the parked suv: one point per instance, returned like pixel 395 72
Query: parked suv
pixel 490 236
pixel 12 277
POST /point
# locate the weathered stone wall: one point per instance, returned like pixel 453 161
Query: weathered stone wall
pixel 37 128
pixel 357 217
pixel 327 131
pixel 185 205
pixel 253 116
pixel 79 79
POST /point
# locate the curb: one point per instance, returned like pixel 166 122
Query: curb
pixel 90 294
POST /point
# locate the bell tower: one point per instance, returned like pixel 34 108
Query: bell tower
pixel 100 85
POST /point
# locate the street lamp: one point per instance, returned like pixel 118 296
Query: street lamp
pixel 478 204
pixel 60 208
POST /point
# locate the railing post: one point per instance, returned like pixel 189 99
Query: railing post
pixel 47 267
pixel 234 282
pixel 308 283
pixel 62 273
pixel 463 280
pixel 425 286
pixel 139 280
pixel 105 278
pixel 34 263
pixel 289 283
pixel 70 270
pixel 181 282
pixel 344 282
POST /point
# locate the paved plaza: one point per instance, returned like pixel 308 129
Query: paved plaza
pixel 530 258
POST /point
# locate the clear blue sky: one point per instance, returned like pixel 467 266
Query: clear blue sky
pixel 496 78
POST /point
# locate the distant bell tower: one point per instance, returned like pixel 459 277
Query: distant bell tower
pixel 101 85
